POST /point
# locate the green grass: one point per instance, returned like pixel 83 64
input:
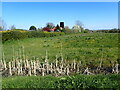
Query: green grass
pixel 76 81
pixel 87 47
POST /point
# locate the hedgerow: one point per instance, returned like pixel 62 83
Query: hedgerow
pixel 20 34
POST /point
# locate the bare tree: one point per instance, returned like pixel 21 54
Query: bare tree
pixel 3 25
pixel 79 23
pixel 1 28
pixel 66 27
pixel 50 25
pixel 12 27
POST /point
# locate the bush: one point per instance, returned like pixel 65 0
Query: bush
pixel 13 35
pixel 33 28
pixel 34 34
pixel 67 31
pixel 20 34
pixel 85 31
pixel 113 31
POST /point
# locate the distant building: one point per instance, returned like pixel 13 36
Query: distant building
pixel 55 29
pixel 77 27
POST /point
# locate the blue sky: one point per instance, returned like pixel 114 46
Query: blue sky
pixel 94 15
pixel 59 0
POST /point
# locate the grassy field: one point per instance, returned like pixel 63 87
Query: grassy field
pixel 76 81
pixel 89 48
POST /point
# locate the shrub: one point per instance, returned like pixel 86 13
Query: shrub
pixel 33 28
pixel 13 35
pixel 67 31
pixel 85 31
pixel 20 34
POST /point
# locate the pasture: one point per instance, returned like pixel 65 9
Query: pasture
pixel 39 59
pixel 89 48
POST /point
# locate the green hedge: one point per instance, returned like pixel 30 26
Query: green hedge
pixel 13 35
pixel 20 34
pixel 44 34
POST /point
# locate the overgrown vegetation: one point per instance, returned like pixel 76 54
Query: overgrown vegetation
pixel 89 48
